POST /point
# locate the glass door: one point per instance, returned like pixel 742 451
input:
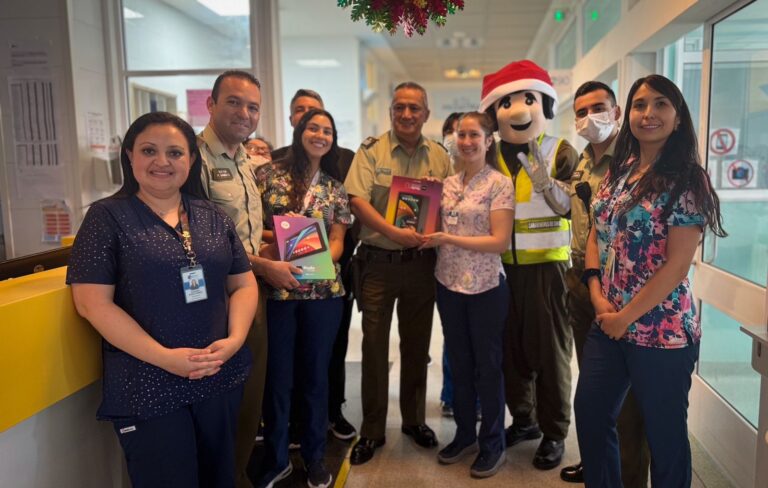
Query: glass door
pixel 730 277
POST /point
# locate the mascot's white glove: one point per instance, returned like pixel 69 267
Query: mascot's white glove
pixel 536 169
pixel 556 193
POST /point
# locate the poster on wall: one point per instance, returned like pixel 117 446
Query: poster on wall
pixel 38 165
pixel 197 107
pixel 57 221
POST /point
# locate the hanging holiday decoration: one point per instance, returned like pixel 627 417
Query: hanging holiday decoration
pixel 412 15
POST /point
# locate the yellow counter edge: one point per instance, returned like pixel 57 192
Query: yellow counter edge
pixel 49 351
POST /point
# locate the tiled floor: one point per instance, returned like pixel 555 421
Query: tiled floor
pixel 400 463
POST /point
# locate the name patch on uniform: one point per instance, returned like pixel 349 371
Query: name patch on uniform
pixel 383 171
pixel 221 174
pixel 577 174
pixel 125 430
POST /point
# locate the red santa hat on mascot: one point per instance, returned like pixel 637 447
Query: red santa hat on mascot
pixel 514 77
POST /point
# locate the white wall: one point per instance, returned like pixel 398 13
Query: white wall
pixel 339 86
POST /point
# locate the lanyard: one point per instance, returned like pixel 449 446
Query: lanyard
pixel 186 236
pixel 308 194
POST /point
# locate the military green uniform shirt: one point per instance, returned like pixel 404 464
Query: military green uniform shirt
pixel 231 185
pixel 377 161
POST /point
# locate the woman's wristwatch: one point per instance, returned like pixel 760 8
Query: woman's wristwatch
pixel 589 273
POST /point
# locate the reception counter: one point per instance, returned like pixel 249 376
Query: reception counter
pixel 50 390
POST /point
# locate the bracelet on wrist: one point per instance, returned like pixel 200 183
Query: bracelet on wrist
pixel 589 273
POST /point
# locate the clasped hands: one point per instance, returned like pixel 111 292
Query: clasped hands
pixel 612 323
pixel 196 364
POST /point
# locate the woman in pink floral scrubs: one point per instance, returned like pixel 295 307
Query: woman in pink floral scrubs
pixel 477 211
pixel 649 215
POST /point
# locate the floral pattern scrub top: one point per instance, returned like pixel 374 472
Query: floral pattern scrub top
pixel 466 211
pixel 327 200
pixel 638 237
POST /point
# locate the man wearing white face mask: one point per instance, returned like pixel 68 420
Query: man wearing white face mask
pixel 597 121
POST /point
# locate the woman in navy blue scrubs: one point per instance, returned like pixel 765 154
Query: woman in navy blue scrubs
pixel 649 214
pixel 164 278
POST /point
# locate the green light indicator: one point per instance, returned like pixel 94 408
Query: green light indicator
pixel 559 15
pixel 595 15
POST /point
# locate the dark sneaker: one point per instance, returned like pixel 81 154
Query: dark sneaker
pixel 453 452
pixel 446 410
pixel 515 433
pixel 318 476
pixel 487 464
pixel 341 429
pixel 272 477
pixel 549 454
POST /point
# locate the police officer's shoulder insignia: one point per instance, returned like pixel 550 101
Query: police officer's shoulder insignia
pixel 369 142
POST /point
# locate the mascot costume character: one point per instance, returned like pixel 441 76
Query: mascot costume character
pixel 521 98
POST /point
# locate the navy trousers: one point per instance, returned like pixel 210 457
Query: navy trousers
pixel 661 380
pixel 302 331
pixel 193 446
pixel 473 326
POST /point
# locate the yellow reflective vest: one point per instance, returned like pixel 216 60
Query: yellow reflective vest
pixel 539 235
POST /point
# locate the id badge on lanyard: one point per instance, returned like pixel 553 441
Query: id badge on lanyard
pixel 192 277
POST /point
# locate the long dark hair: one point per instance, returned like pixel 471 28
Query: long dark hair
pixel 488 125
pixel 193 186
pixel 677 168
pixel 297 162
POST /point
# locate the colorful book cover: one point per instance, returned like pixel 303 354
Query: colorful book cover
pixel 414 203
pixel 303 242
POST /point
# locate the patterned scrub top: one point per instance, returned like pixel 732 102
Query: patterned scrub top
pixel 327 201
pixel 639 239
pixel 466 211
pixel 122 242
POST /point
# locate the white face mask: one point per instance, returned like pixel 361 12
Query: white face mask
pixel 449 141
pixel 596 128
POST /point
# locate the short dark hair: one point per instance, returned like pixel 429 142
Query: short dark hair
pixel 193 186
pixel 592 86
pixel 232 73
pixel 412 85
pixel 259 138
pixel 448 124
pixel 306 92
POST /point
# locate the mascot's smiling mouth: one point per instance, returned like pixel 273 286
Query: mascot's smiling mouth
pixel 521 127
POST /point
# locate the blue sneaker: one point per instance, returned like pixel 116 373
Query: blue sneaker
pixel 275 475
pixel 487 464
pixel 453 452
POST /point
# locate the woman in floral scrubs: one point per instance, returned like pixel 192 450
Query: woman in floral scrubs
pixel 302 322
pixel 649 215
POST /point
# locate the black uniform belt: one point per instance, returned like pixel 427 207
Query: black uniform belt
pixel 373 254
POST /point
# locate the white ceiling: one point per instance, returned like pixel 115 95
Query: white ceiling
pixel 504 29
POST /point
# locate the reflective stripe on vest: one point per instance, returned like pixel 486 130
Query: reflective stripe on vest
pixel 541 236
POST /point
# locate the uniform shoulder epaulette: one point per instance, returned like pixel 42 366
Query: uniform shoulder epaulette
pixel 369 142
pixel 441 145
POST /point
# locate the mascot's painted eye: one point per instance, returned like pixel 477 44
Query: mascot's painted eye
pixel 530 98
pixel 505 102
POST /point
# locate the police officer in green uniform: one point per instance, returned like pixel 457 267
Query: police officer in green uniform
pixel 597 121
pixel 391 267
pixel 235 105
pixel 537 349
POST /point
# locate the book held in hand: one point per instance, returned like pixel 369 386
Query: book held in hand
pixel 414 204
pixel 302 241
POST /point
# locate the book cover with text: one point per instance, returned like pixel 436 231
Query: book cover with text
pixel 302 241
pixel 414 204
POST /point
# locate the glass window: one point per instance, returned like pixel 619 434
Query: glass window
pixel 682 64
pixel 184 96
pixel 598 18
pixel 738 142
pixel 186 34
pixel 725 362
pixel 565 51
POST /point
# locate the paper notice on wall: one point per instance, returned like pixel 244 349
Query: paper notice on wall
pixel 57 220
pixel 30 54
pixel 96 128
pixel 38 166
